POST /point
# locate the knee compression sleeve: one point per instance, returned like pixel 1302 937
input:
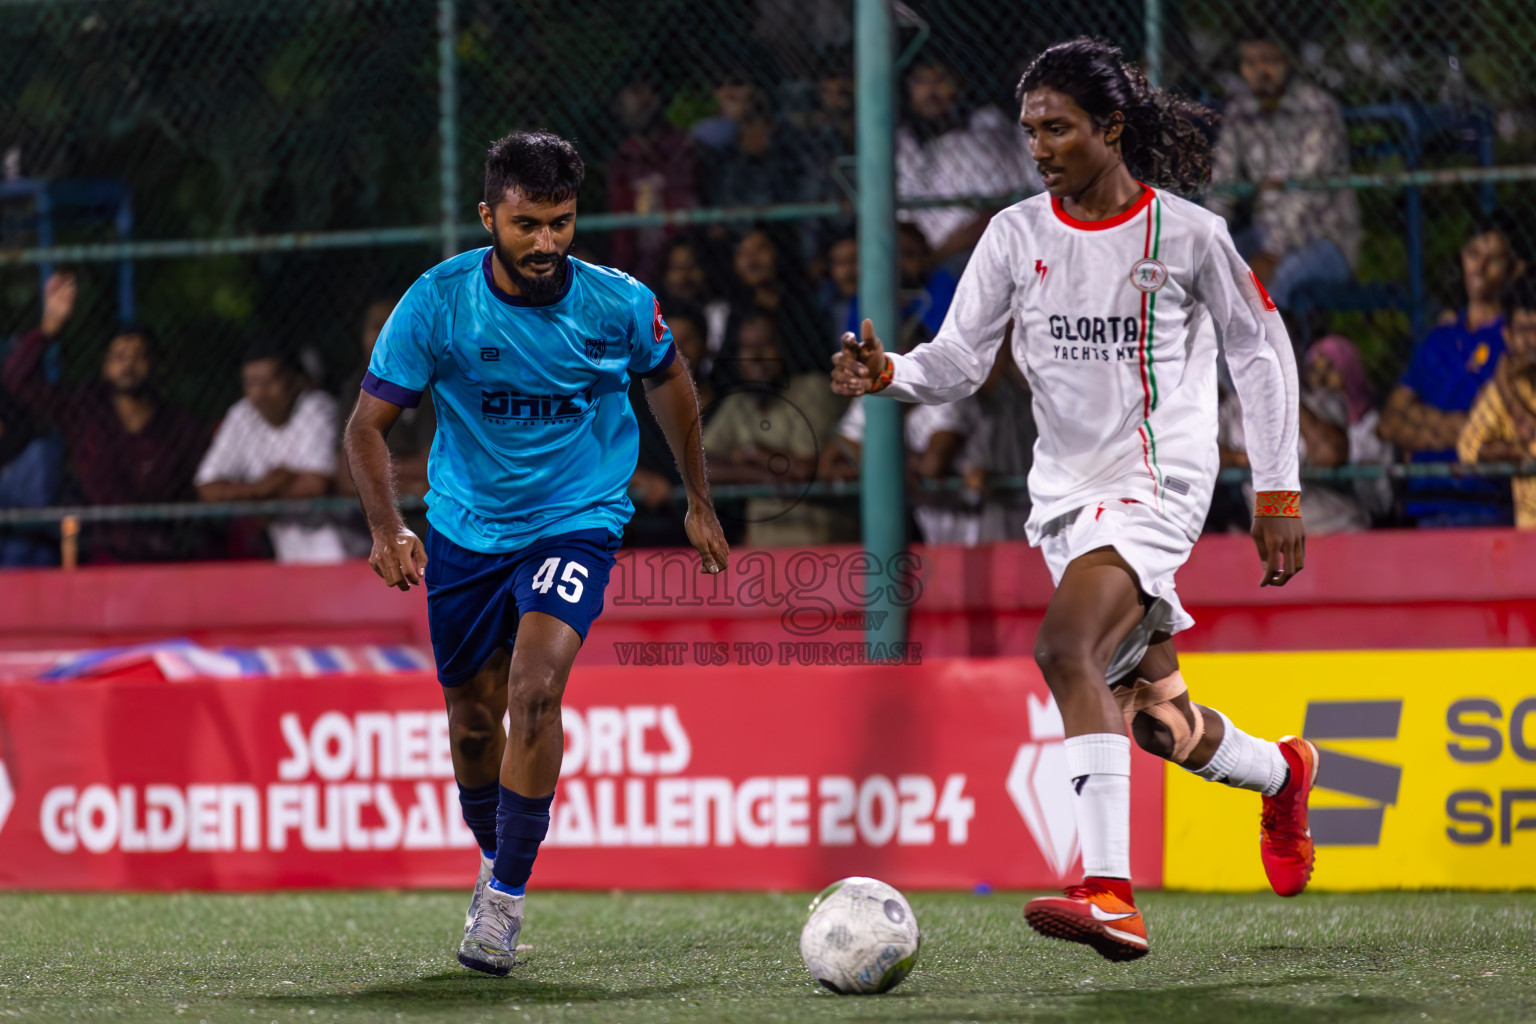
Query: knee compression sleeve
pixel 1157 699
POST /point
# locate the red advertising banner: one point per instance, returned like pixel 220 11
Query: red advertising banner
pixel 945 774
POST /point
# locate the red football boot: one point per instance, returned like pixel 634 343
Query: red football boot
pixel 1285 841
pixel 1094 914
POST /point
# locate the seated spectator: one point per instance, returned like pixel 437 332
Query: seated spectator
pixel 1425 414
pixel 767 278
pixel 926 291
pixel 829 130
pixel 841 287
pixel 826 134
pixel 653 169
pixel 944 150
pixel 1278 127
pixel 988 435
pixel 1502 424
pixel 126 446
pixel 770 429
pixel 410 439
pixel 763 165
pixel 686 282
pixel 1333 366
pixel 279 441
pixel 732 97
pixel 30 466
pixel 936 438
pixel 1336 428
pixel 657 522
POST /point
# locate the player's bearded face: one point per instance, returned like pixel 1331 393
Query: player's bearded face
pixel 538 273
pixel 531 239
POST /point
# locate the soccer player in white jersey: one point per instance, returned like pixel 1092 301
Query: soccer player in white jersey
pixel 1119 292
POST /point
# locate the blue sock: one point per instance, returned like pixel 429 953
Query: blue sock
pixel 479 805
pixel 521 824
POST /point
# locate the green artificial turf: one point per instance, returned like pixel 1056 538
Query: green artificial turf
pixel 635 957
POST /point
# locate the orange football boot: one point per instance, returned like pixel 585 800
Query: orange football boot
pixel 1094 914
pixel 1285 841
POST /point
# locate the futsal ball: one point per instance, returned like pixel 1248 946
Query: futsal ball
pixel 860 937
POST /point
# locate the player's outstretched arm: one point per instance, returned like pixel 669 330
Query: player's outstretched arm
pixel 959 358
pixel 675 404
pixel 1263 366
pixel 398 555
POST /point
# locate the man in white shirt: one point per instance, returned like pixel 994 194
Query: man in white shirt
pixel 944 151
pixel 279 441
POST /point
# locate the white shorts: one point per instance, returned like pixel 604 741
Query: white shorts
pixel 1152 546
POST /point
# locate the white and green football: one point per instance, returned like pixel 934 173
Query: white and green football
pixel 861 937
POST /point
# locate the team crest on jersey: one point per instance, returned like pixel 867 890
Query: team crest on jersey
pixel 1149 275
pixel 658 325
pixel 596 349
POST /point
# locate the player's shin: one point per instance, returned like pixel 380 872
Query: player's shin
pixel 1099 765
pixel 521 824
pixel 1242 761
pixel 479 804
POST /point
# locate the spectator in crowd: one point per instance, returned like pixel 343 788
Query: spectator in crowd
pixel 828 131
pixel 279 441
pixel 841 286
pixel 1502 424
pixel 936 438
pixel 826 134
pixel 653 169
pixel 762 166
pixel 977 439
pixel 766 280
pixel 126 445
pixel 944 150
pixel 1332 365
pixel 1425 414
pixel 1337 428
pixel 926 290
pixel 686 283
pixel 30 466
pixel 410 439
pixel 1278 127
pixel 770 429
pixel 657 522
pixel 733 96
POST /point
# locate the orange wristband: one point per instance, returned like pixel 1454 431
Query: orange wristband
pixel 884 378
pixel 1277 503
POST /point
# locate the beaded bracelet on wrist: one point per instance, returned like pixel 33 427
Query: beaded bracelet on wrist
pixel 1286 504
pixel 885 376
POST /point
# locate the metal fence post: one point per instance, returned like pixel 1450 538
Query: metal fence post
pixel 882 504
pixel 448 124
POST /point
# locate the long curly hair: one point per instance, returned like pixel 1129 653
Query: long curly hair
pixel 1166 141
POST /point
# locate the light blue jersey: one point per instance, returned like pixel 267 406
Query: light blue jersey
pixel 535 435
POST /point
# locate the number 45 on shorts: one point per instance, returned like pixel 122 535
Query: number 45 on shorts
pixel 569 586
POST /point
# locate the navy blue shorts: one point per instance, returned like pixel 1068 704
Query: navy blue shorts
pixel 474 600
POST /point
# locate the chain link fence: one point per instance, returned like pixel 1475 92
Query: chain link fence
pixel 219 172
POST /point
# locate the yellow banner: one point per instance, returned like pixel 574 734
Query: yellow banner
pixel 1426 779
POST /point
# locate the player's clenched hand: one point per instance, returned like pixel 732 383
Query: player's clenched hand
pixel 704 533
pixel 1282 544
pixel 860 363
pixel 399 558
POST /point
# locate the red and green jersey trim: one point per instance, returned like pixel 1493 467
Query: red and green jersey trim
pixel 1146 350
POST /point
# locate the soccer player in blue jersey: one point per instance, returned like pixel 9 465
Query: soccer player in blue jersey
pixel 527 353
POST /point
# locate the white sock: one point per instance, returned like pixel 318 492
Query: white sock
pixel 1244 762
pixel 1099 765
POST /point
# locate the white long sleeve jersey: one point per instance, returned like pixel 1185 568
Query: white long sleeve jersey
pixel 1116 325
